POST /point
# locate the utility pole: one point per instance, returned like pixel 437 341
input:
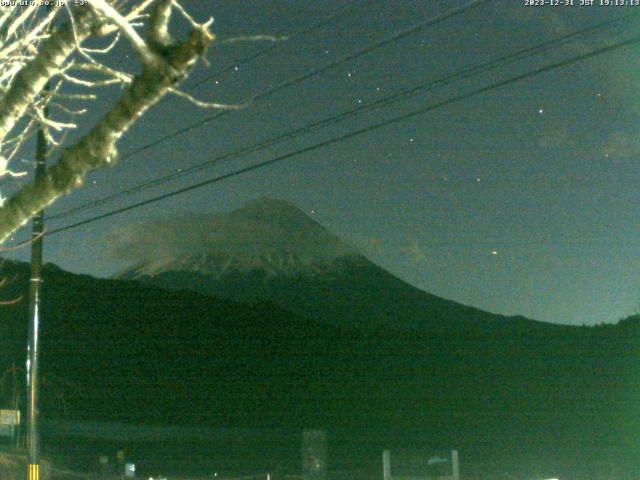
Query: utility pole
pixel 455 465
pixel 386 465
pixel 15 405
pixel 37 229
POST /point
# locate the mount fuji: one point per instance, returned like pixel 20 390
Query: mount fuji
pixel 269 250
pixel 328 340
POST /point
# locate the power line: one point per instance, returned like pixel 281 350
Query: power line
pixel 383 102
pixel 299 33
pixel 346 136
pixel 305 76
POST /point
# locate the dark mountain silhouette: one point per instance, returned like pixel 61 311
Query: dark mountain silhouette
pixel 269 250
pixel 402 369
pixel 561 397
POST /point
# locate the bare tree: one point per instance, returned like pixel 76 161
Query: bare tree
pixel 42 51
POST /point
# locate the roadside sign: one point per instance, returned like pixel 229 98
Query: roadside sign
pixel 10 417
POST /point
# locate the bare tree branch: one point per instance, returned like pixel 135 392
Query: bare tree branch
pixel 252 38
pixel 104 9
pixel 169 65
pixel 30 81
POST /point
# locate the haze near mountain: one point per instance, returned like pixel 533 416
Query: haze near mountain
pixel 266 234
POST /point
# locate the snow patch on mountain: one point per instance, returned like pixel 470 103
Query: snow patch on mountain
pixel 273 236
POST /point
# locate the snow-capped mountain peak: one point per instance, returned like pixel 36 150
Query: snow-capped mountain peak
pixel 268 235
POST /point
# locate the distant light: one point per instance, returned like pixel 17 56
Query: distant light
pixel 495 252
pixel 541 111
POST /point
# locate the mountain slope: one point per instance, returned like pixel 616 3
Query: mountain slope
pixel 269 235
pixel 269 250
pixel 563 398
pixel 328 340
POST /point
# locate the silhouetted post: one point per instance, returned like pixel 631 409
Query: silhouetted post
pixel 37 228
pixel 455 465
pixel 386 465
pixel 314 455
pixel 15 405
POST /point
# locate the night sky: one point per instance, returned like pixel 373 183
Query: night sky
pixel 521 200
